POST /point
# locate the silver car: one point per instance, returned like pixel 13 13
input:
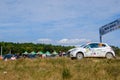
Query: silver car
pixel 92 50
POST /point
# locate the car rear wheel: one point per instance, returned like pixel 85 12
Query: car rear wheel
pixel 79 56
pixel 109 56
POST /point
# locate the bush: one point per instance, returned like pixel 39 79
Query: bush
pixel 66 73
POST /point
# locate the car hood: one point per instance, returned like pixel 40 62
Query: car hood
pixel 77 49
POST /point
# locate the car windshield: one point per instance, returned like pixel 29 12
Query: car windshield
pixel 83 45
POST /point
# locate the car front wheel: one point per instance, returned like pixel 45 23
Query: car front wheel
pixel 79 56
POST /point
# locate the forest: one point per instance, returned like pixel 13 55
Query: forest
pixel 16 48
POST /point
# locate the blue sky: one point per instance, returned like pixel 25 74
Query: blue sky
pixel 63 22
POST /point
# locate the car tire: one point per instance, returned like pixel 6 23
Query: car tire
pixel 109 56
pixel 79 56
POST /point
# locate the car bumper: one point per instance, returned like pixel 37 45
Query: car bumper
pixel 72 54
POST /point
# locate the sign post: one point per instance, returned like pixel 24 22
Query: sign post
pixel 109 27
pixel 100 39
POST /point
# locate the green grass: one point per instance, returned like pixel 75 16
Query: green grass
pixel 60 69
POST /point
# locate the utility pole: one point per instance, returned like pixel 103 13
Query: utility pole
pixel 10 51
pixel 1 50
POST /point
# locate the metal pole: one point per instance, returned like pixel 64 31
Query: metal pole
pixel 100 33
pixel 1 50
pixel 10 51
pixel 100 38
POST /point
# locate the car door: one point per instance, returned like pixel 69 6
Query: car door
pixel 95 49
pixel 88 51
pixel 101 50
pixel 98 50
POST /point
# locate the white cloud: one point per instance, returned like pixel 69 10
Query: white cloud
pixel 62 41
pixel 72 41
pixel 44 41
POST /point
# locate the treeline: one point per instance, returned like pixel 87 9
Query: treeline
pixel 16 48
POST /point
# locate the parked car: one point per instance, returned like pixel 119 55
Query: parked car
pixel 92 50
pixel 8 56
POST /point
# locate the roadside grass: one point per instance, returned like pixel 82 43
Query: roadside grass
pixel 60 69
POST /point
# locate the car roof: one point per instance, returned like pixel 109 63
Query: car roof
pixel 97 43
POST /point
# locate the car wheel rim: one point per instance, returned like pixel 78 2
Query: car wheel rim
pixel 109 56
pixel 79 56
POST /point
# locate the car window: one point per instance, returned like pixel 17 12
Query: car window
pixel 102 45
pixel 94 45
pixel 97 45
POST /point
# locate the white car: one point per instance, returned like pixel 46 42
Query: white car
pixel 92 50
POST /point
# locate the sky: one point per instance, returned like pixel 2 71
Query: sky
pixel 58 22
